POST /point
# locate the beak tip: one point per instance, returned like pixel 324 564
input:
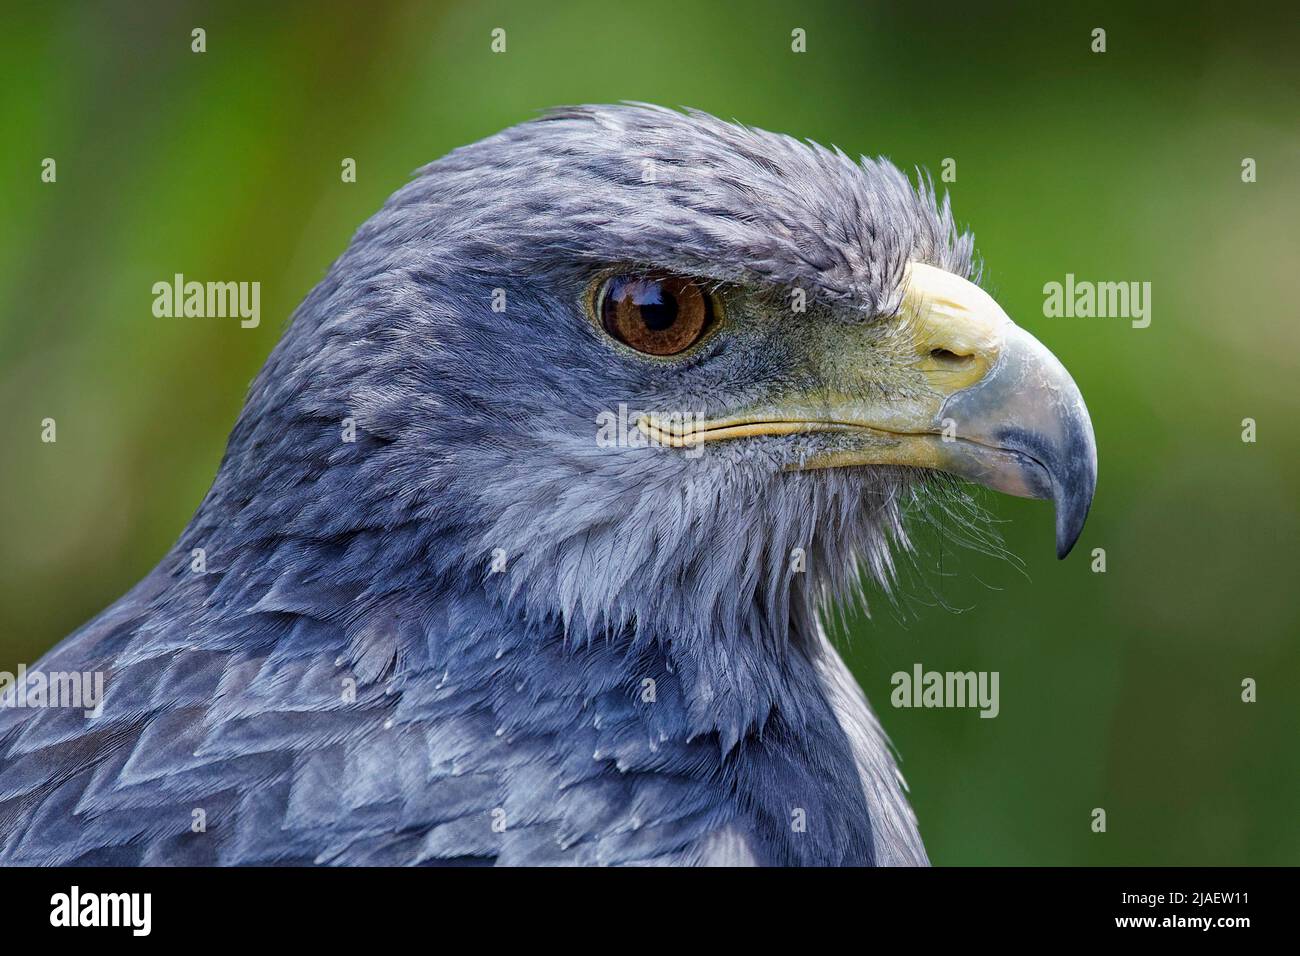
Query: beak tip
pixel 1073 502
pixel 1064 545
pixel 1068 533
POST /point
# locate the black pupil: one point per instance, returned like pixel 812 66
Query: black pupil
pixel 658 306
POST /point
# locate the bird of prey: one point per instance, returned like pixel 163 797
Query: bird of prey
pixel 518 546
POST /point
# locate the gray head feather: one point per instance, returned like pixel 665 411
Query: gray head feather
pixel 478 426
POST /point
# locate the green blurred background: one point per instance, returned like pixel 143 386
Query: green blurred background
pixel 1118 690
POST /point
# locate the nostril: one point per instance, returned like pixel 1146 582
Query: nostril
pixel 948 357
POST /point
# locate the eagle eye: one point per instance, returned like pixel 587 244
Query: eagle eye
pixel 657 314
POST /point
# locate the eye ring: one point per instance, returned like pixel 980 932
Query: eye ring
pixel 657 314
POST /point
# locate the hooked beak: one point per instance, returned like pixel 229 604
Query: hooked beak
pixel 997 407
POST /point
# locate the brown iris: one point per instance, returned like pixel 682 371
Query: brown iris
pixel 655 314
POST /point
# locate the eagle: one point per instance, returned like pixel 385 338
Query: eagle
pixel 517 551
